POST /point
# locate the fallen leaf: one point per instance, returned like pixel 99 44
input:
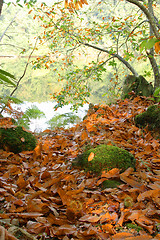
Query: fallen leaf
pixel 91 156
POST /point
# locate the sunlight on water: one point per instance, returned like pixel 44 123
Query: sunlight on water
pixel 38 125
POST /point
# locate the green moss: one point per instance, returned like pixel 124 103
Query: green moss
pixel 110 184
pixel 151 117
pixel 138 85
pixel 16 140
pixel 106 157
pixel 133 226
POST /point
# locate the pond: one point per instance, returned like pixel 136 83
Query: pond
pixel 40 124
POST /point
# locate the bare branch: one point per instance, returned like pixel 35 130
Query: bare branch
pixel 18 82
pixel 8 25
pixel 24 69
pixel 8 44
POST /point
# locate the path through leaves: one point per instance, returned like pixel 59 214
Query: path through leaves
pixel 48 199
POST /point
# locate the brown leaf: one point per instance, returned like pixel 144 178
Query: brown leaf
pixel 89 218
pixel 65 230
pixel 153 194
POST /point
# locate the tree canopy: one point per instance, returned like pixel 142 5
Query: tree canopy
pixel 112 35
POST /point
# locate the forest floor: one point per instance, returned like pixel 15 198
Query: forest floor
pixel 43 197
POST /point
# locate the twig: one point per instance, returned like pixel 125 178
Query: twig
pixel 8 26
pixel 24 69
pixel 21 76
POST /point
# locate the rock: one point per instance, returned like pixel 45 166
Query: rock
pixel 105 157
pixel 151 117
pixel 16 140
pixel 138 85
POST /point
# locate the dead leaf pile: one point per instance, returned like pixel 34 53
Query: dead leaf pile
pixel 52 200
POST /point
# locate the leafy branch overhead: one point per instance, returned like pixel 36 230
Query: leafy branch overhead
pixel 97 41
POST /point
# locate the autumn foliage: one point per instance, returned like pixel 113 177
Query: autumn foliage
pixel 49 198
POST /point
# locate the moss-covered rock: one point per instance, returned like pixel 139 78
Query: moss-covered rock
pixel 151 117
pixel 106 157
pixel 138 85
pixel 16 140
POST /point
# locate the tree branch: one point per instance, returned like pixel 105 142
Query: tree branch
pixel 114 55
pixel 24 69
pixel 11 94
pixel 8 44
pixel 8 25
pixel 132 33
pixel 148 15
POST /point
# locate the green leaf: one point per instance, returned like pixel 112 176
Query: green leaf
pixel 6 80
pixel 7 74
pixel 15 100
pixel 148 44
pixel 157 91
pixel 143 45
pixel 151 42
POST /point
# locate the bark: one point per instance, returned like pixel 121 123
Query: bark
pixel 1 5
pixel 151 52
pixel 154 68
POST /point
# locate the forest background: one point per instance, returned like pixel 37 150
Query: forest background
pixel 118 26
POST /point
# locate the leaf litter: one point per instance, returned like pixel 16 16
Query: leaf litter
pixel 48 199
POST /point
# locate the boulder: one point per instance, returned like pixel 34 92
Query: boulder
pixel 15 139
pixel 151 117
pixel 138 85
pixel 105 157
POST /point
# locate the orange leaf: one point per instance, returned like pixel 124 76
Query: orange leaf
pixel 121 236
pixel 146 237
pixel 37 151
pixel 157 47
pixel 109 228
pixel 84 135
pixel 91 156
pixel 111 174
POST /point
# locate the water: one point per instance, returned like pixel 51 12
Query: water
pixel 39 125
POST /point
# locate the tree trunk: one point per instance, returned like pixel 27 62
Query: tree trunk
pixel 1 4
pixel 151 52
